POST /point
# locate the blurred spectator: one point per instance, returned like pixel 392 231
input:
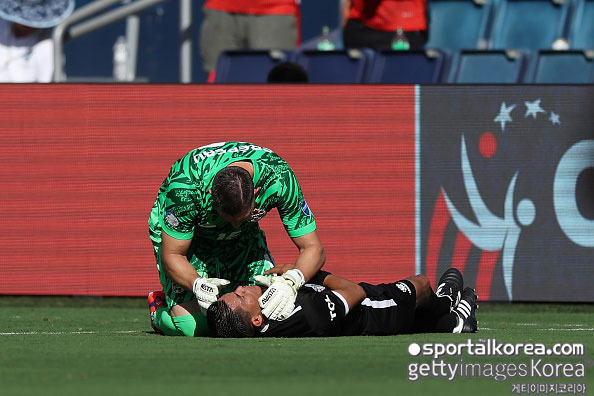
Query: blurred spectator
pixel 247 24
pixel 373 23
pixel 287 72
pixel 26 47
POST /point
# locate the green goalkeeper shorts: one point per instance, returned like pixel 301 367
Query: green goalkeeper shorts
pixel 237 260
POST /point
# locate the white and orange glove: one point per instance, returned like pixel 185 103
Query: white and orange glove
pixel 278 300
pixel 207 291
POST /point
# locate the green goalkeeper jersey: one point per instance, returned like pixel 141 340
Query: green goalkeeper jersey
pixel 184 209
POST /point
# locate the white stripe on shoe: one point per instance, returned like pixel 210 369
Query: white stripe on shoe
pixel 464 309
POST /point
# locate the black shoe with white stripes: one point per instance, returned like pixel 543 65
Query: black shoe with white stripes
pixel 450 285
pixel 466 311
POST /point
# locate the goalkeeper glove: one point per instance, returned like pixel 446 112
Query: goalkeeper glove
pixel 278 301
pixel 207 291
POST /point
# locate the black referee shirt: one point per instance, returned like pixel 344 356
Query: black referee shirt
pixel 319 312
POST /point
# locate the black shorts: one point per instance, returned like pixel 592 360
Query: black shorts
pixel 389 309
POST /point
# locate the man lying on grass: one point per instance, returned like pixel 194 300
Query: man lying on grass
pixel 333 306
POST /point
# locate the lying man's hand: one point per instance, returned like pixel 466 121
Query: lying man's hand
pixel 207 291
pixel 278 301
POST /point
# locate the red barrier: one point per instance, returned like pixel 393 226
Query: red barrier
pixel 81 165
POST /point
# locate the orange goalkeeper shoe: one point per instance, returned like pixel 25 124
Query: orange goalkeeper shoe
pixel 156 299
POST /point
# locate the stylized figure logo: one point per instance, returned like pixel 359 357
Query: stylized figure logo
pixel 492 233
pixel 516 214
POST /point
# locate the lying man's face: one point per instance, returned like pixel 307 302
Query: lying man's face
pixel 236 314
pixel 244 298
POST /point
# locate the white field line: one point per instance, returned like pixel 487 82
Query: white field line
pixel 566 329
pixel 143 331
pixel 556 324
pixel 549 329
pixel 69 332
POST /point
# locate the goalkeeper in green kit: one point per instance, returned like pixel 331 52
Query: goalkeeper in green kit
pixel 206 238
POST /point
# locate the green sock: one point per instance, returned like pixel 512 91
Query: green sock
pixel 186 325
pixel 164 322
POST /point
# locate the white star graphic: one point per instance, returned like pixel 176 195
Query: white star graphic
pixel 554 118
pixel 533 108
pixel 504 115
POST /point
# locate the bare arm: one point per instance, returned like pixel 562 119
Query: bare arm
pixel 311 254
pixel 352 292
pixel 175 262
pixel 279 302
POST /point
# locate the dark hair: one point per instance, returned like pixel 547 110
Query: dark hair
pixel 233 191
pixel 287 72
pixel 225 323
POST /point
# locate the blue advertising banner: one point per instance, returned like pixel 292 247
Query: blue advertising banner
pixel 505 178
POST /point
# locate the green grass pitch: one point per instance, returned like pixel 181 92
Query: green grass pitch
pixel 104 346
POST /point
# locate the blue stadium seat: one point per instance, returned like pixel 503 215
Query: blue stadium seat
pixel 407 67
pixel 334 67
pixel 248 66
pixel 530 24
pixel 488 66
pixel 582 29
pixel 459 24
pixel 563 67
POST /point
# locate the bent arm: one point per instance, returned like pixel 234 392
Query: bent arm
pixel 175 262
pixel 352 292
pixel 311 254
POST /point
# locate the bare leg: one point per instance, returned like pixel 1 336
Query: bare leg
pixel 188 308
pixel 423 289
pixel 432 313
